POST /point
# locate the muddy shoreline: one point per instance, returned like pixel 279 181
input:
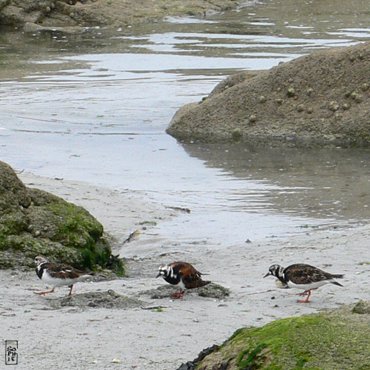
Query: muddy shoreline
pixel 73 16
pixel 166 337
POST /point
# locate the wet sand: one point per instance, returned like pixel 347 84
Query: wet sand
pixel 137 338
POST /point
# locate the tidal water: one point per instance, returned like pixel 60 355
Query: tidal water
pixel 94 107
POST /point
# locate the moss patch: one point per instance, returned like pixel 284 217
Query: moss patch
pixel 77 228
pixel 13 222
pixel 336 340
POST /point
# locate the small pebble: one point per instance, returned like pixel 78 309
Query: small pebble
pixel 252 118
pixel 290 91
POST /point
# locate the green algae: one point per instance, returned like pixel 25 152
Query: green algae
pixel 76 227
pixel 323 341
pixel 20 251
pixel 13 222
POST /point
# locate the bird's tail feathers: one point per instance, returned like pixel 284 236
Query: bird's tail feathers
pixel 336 283
pixel 203 283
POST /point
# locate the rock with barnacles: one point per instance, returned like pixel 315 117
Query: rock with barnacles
pixel 321 84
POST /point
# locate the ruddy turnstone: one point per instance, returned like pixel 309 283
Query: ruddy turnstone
pixel 302 276
pixel 57 274
pixel 182 274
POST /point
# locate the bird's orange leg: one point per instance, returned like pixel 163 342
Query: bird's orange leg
pixel 178 295
pixel 45 292
pixel 306 293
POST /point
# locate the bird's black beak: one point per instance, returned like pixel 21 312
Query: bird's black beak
pixel 158 275
pixel 268 274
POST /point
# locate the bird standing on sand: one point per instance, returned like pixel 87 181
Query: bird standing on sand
pixel 57 274
pixel 182 274
pixel 302 276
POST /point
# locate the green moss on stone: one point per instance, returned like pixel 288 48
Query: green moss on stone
pixel 322 341
pixel 13 222
pixel 77 228
pixel 20 250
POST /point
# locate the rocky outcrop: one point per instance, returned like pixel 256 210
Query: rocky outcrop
pixel 319 99
pixel 34 222
pixel 45 15
pixel 18 12
pixel 334 340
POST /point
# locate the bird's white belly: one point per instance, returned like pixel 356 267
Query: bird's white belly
pixel 49 280
pixel 314 285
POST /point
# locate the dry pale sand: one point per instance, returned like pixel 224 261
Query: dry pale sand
pixel 98 338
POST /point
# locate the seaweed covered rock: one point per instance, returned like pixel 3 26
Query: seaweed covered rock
pixel 316 100
pixel 362 308
pixel 34 222
pixel 333 340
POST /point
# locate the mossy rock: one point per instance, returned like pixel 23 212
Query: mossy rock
pixel 20 251
pixel 13 221
pixel 13 193
pixel 34 222
pixel 60 221
pixel 335 340
pixel 362 308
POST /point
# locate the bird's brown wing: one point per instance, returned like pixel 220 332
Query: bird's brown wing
pixel 61 271
pixel 305 274
pixel 191 277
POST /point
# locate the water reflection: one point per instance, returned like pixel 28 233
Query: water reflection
pixel 326 183
pixel 276 29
